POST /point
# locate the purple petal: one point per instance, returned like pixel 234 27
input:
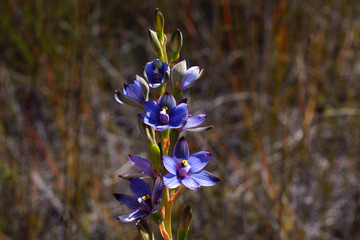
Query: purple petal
pixel 190 76
pixel 178 113
pixel 171 181
pixel 164 68
pixel 157 190
pixel 149 71
pixel 181 149
pixel 139 188
pixel 142 164
pixel 190 183
pixel 152 110
pixel 135 92
pixel 170 164
pixel 205 178
pixel 198 161
pixel 132 216
pixel 194 121
pixel 177 124
pixel 167 100
pixel 148 120
pixel 129 201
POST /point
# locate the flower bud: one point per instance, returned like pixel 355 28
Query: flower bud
pixel 144 230
pixel 155 155
pixel 159 24
pixel 155 43
pixel 185 222
pixel 176 43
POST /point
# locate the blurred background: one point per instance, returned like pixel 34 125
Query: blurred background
pixel 281 87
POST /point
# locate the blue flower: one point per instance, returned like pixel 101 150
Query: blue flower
pixel 135 94
pixel 144 202
pixel 155 72
pixel 165 113
pixel 183 78
pixel 187 169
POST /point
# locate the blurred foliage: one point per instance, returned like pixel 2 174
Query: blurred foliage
pixel 281 86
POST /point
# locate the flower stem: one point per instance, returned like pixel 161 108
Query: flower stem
pixel 168 207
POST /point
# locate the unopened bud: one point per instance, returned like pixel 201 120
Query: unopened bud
pixel 176 43
pixel 159 24
pixel 144 230
pixel 186 218
pixel 155 43
pixel 155 155
pixel 185 222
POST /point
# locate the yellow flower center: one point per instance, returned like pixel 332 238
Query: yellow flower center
pixel 144 198
pixel 185 162
pixel 164 108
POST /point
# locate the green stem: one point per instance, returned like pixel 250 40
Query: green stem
pixel 168 207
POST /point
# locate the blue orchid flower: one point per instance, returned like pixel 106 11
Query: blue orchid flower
pixel 187 169
pixel 165 113
pixel 144 202
pixel 155 72
pixel 135 94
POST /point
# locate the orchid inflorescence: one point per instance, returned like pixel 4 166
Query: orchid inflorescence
pixel 162 121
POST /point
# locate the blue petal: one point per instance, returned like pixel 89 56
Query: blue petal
pixel 132 216
pixel 205 178
pixel 190 76
pixel 164 68
pixel 152 110
pixel 148 120
pixel 139 188
pixel 134 92
pixel 149 67
pixel 170 164
pixel 167 100
pixel 171 181
pixel 142 164
pixel 129 201
pixel 198 161
pixel 190 183
pixel 178 113
pixel 157 190
pixel 177 124
pixel 194 121
pixel 150 212
pixel 181 149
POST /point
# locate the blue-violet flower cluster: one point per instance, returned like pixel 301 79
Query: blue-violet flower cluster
pixel 163 118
